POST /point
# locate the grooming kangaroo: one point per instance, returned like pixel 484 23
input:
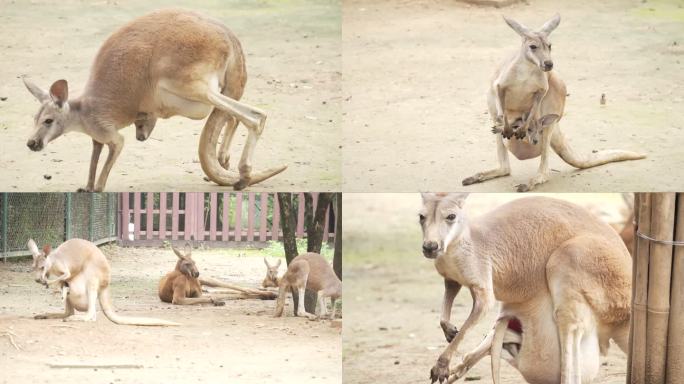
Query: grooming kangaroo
pixel 309 271
pixel 82 272
pixel 562 276
pixel 166 63
pixel 527 95
pixel 182 286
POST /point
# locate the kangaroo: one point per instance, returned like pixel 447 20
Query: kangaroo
pixel 163 64
pixel 182 286
pixel 82 273
pixel 309 271
pixel 565 278
pixel 525 88
pixel 271 279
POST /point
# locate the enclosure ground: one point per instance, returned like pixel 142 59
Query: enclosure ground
pixel 416 75
pixel 239 342
pixel 394 295
pixel 293 63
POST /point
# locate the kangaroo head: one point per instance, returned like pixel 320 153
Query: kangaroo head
pixel 40 261
pixel 54 117
pixel 535 130
pixel 185 264
pixel 443 220
pixel 535 44
pixel 271 279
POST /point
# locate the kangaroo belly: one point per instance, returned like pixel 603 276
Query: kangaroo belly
pixel 523 150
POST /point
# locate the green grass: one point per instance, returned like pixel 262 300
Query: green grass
pixel 668 10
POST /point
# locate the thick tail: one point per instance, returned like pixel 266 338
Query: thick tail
pixel 249 292
pixel 106 304
pixel 209 158
pixel 497 344
pixel 280 301
pixel 561 146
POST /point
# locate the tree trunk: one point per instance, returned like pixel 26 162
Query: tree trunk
pixel 288 223
pixel 316 224
pixel 337 258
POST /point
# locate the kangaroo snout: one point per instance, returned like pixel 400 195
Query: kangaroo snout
pixel 548 65
pixel 430 249
pixel 34 145
pixel 195 274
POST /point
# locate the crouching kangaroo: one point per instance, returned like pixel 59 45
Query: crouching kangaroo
pixel 563 278
pixel 525 89
pixel 166 63
pixel 182 286
pixel 308 271
pixel 82 273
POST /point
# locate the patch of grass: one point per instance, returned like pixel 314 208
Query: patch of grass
pixel 668 10
pixel 360 248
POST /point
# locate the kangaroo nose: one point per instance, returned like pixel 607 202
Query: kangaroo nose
pixel 34 145
pixel 429 247
pixel 548 64
pixel 196 274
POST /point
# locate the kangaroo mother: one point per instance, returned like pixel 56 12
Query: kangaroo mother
pixel 166 63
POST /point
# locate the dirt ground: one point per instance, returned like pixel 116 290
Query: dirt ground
pixel 293 61
pixel 239 342
pixel 416 75
pixel 394 295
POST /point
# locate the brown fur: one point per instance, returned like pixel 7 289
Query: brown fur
pixel 182 286
pixel 167 63
pixel 309 271
pixel 553 265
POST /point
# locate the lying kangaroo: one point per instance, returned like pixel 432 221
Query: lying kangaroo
pixel 82 273
pixel 182 286
pixel 166 63
pixel 525 87
pixel 309 271
pixel 558 271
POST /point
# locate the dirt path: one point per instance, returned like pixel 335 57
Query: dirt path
pixel 416 72
pixel 239 342
pixel 393 294
pixel 293 62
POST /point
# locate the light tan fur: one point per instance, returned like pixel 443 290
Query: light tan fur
pixel 271 280
pixel 565 275
pixel 182 286
pixel 81 272
pixel 163 64
pixel 525 89
pixel 309 271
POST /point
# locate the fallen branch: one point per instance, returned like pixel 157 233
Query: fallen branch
pixel 247 293
pixel 98 366
pixel 11 337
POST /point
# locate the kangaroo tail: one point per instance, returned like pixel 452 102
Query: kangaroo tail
pixel 497 344
pixel 561 146
pixel 106 304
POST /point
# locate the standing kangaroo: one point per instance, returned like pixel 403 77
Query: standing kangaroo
pixel 83 276
pixel 308 271
pixel 563 278
pixel 166 63
pixel 525 89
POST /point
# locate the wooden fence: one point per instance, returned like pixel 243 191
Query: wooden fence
pixel 149 219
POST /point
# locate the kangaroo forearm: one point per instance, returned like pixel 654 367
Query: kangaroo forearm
pixel 451 289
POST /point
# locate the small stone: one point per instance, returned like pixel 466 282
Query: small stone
pixel 47 177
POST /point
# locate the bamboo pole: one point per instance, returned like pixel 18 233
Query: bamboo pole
pixel 635 216
pixel 640 277
pixel 660 269
pixel 675 339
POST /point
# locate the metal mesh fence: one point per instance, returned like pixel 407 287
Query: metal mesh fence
pixel 51 218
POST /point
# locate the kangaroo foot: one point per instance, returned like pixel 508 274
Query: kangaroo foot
pixel 440 372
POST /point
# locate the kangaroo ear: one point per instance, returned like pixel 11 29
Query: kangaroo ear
pixel 266 262
pixel 35 90
pixel 550 25
pixel 47 249
pixel 33 248
pixel 458 198
pixel 517 27
pixel 59 91
pixel 177 252
pixel 188 250
pixel 548 120
pixel 278 263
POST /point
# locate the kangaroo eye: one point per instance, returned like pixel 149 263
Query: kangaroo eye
pixel 48 121
pixel 533 47
pixel 451 217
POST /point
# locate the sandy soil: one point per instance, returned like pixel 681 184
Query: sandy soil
pixel 239 342
pixel 393 294
pixel 416 73
pixel 293 62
